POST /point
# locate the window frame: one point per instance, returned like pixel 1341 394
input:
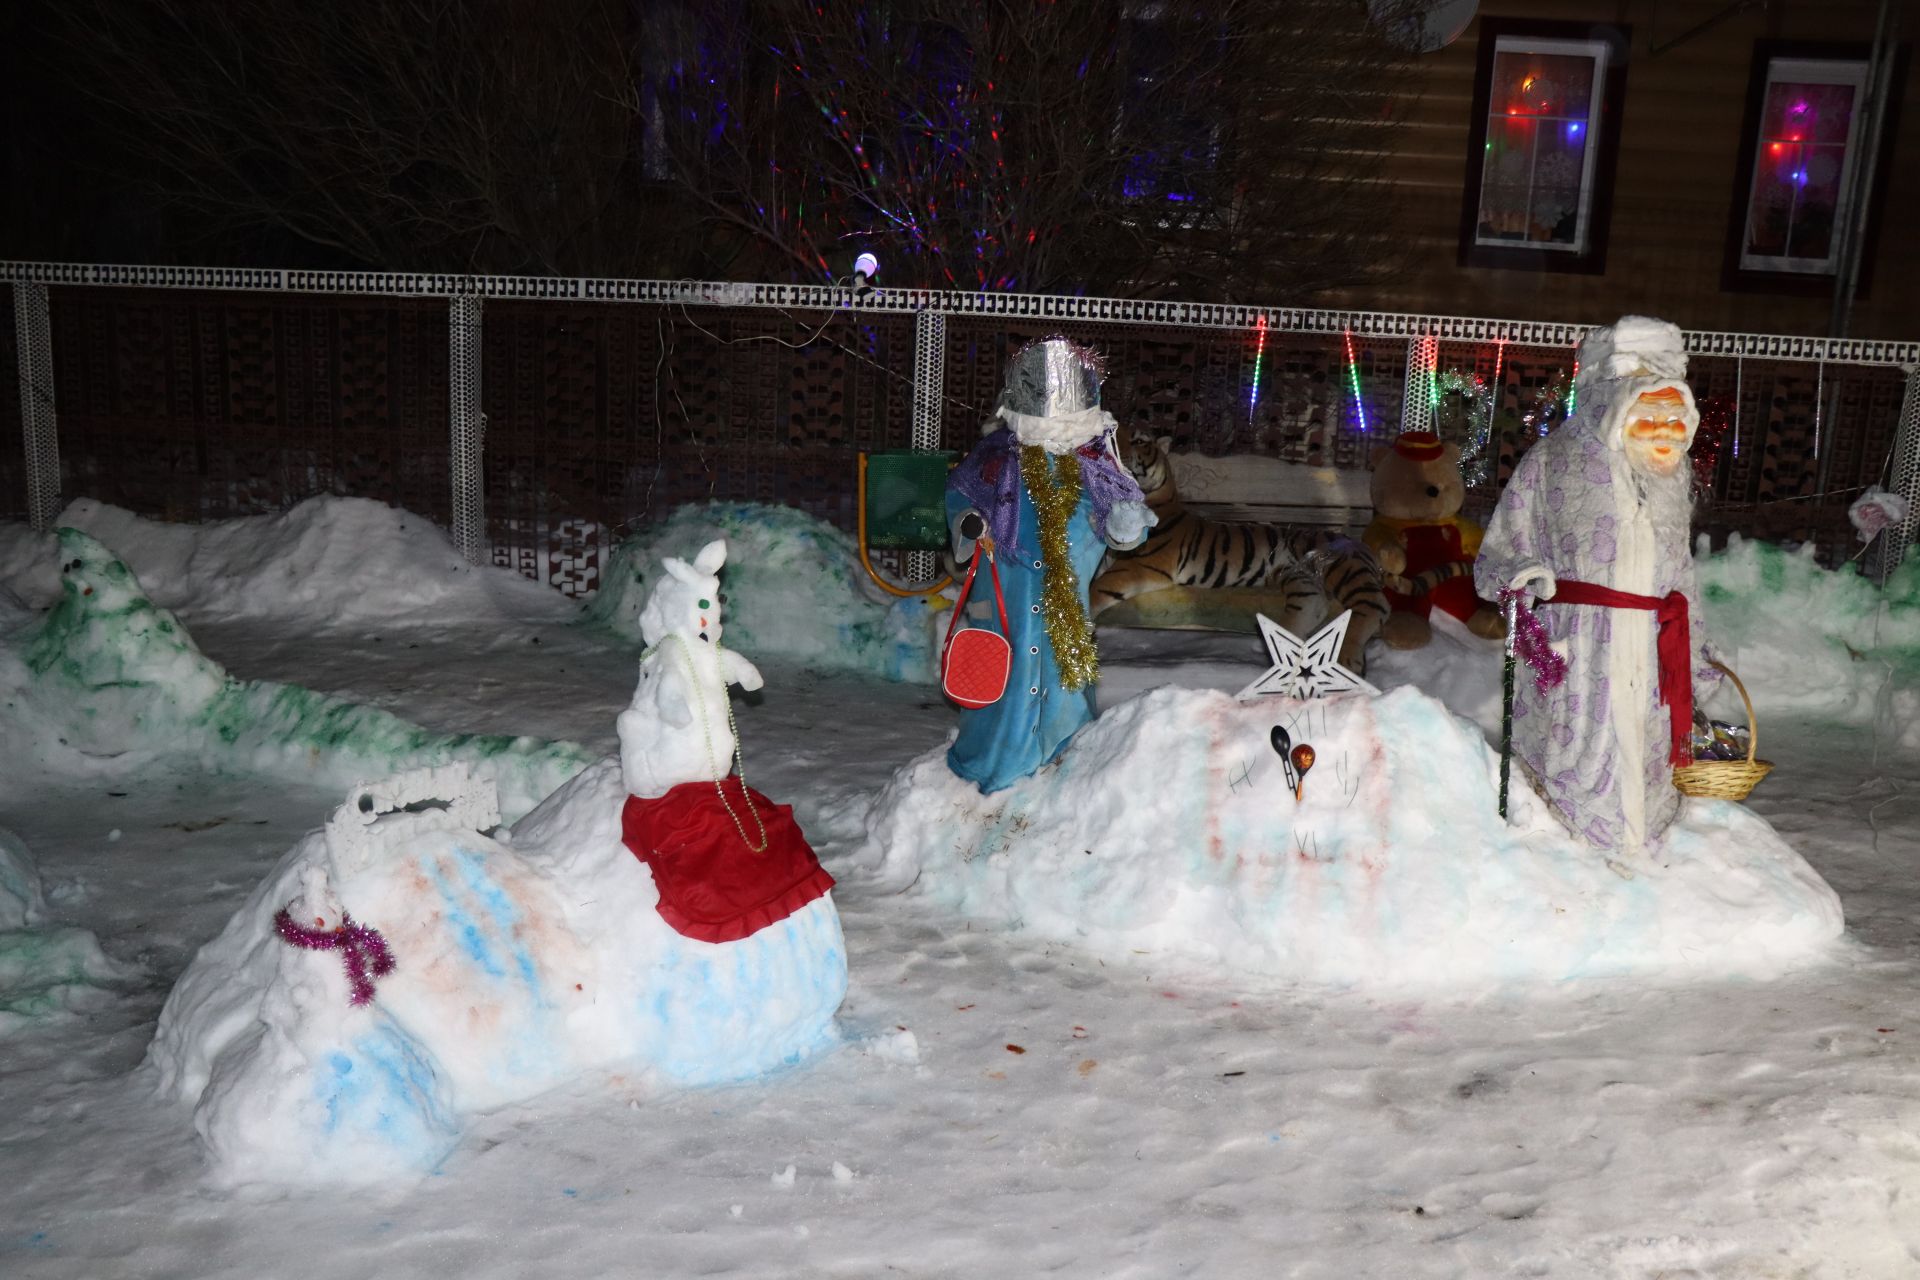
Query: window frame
pixel 1737 274
pixel 1609 45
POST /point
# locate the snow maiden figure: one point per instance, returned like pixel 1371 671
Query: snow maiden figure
pixel 1047 489
pixel 1595 525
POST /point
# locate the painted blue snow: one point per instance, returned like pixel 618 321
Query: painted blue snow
pixel 381 1101
pixel 506 914
pixel 730 1011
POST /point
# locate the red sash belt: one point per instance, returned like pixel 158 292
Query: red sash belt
pixel 1675 649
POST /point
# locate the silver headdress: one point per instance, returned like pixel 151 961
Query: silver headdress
pixel 1053 378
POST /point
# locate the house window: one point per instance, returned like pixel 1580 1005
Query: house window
pixel 1545 139
pixel 1804 153
pixel 1804 148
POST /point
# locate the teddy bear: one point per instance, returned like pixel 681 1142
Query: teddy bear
pixel 1425 546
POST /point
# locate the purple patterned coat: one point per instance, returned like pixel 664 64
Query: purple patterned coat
pixel 1598 743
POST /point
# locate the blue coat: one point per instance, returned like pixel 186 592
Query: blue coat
pixel 1032 722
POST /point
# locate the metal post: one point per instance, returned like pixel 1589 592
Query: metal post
pixel 929 396
pixel 1423 366
pixel 467 426
pixel 33 332
pixel 1849 236
pixel 1906 478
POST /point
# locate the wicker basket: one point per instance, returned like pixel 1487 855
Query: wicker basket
pixel 1726 779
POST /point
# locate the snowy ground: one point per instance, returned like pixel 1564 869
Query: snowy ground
pixel 1065 1115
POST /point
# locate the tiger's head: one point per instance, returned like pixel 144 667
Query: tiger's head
pixel 1145 458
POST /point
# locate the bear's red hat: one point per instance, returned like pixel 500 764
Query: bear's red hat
pixel 1419 446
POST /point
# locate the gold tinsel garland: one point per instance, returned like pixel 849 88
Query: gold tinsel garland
pixel 1054 486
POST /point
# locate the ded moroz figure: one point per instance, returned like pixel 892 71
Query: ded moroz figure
pixel 1595 525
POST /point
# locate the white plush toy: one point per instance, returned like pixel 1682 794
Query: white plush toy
pixel 679 727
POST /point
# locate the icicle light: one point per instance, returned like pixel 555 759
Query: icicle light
pixel 1353 378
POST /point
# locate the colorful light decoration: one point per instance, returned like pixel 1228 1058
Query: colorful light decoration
pixel 1353 378
pixel 1259 355
pixel 1717 418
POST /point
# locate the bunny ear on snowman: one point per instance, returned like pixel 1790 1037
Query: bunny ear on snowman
pixel 705 565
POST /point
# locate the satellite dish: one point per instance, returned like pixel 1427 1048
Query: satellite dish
pixel 1423 25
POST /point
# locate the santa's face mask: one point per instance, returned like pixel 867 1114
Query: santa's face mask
pixel 1658 431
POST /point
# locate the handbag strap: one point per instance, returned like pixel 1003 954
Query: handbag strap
pixel 983 547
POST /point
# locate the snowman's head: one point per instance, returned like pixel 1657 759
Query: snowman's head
pixel 687 599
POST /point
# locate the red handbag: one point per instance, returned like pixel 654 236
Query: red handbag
pixel 975 661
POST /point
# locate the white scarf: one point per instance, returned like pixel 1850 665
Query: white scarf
pixel 1061 433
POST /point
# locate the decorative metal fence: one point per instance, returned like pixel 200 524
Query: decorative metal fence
pixel 540 418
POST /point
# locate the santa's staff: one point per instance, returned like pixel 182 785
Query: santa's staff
pixel 1512 603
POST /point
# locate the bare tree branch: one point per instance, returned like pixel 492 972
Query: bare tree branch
pixel 1208 148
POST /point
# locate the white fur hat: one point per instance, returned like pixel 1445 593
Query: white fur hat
pixel 1636 346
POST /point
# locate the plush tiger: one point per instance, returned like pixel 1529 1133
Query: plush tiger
pixel 1306 565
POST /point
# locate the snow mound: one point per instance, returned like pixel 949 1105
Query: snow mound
pixel 1808 639
pixel 794 585
pixel 44 970
pixel 108 680
pixel 1167 828
pixel 50 971
pixel 22 901
pixel 520 961
pixel 327 562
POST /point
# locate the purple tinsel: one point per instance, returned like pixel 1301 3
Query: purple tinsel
pixel 1530 642
pixel 357 942
pixel 989 479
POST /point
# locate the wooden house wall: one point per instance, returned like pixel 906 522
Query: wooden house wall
pixel 1680 145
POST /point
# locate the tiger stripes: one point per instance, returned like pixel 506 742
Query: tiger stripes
pixel 1189 550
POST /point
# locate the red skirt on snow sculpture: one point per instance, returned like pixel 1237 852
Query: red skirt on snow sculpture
pixel 713 886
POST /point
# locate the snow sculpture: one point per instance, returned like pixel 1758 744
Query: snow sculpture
pixel 1172 836
pixel 678 728
pixel 46 970
pixel 1595 524
pixel 109 674
pixel 726 860
pixel 485 968
pixel 1047 487
pixel 795 590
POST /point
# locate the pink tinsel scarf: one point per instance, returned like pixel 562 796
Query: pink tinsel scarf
pixel 363 950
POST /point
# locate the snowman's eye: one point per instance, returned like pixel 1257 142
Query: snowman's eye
pixel 705 605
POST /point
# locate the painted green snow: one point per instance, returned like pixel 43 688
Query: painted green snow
pixel 794 588
pixel 1761 595
pixel 117 674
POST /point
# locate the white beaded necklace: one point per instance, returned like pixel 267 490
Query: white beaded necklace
pixel 706 731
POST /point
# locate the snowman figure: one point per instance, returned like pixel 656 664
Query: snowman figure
pixel 680 727
pixel 727 861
